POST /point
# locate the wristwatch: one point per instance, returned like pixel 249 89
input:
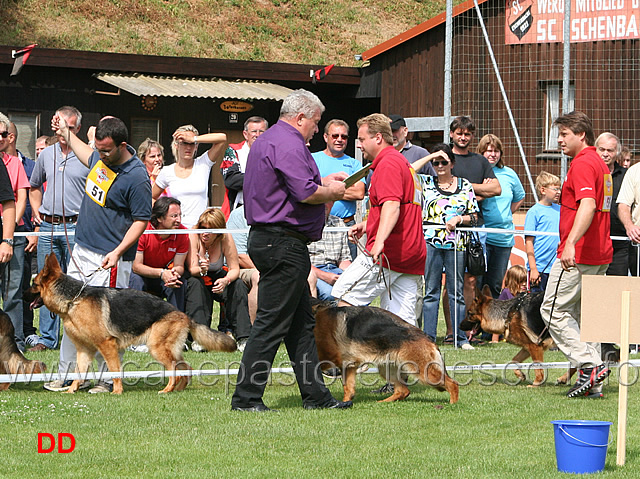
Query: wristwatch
pixel 8 241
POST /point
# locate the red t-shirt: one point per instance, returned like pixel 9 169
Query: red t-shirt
pixel 588 177
pixel 393 179
pixel 158 252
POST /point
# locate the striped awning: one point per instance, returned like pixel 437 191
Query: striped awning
pixel 171 86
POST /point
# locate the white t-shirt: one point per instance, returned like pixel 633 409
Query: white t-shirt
pixel 191 191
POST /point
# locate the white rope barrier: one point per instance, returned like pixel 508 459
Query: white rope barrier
pixel 93 375
pixel 328 228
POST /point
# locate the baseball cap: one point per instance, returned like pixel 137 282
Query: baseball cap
pixel 397 121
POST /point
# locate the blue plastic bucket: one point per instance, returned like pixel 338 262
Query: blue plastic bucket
pixel 581 446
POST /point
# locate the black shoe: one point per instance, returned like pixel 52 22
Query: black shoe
pixel 256 408
pixel 386 389
pixel 332 373
pixel 333 404
pixel 587 378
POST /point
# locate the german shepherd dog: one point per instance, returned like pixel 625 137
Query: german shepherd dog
pixel 520 321
pixel 12 361
pixel 348 337
pixel 109 320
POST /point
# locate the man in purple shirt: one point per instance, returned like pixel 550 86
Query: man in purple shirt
pixel 284 204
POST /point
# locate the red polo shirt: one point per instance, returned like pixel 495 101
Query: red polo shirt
pixel 158 252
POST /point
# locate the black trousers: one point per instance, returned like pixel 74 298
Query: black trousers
pixel 620 263
pixel 200 298
pixel 284 313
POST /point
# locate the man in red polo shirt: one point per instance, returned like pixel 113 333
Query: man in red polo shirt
pixel 159 263
pixel 585 248
pixel 394 229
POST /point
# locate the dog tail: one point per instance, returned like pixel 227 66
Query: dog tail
pixel 211 340
pixel 18 364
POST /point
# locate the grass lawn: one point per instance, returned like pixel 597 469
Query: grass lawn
pixel 496 430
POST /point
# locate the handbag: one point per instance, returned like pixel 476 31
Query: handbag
pixel 474 257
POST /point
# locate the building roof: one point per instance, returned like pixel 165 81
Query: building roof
pixel 180 66
pixel 417 30
pixel 172 86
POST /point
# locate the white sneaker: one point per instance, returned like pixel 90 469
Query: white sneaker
pixel 101 387
pixel 197 347
pixel 467 347
pixel 140 348
pixel 32 340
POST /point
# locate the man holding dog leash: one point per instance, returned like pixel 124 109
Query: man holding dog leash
pixel 114 213
pixel 585 248
pixel 395 241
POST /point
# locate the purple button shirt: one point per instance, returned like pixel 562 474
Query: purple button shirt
pixel 280 174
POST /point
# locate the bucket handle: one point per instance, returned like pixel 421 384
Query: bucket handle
pixel 586 443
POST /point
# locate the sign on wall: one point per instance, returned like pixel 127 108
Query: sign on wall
pixel 541 21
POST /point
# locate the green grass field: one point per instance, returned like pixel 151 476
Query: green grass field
pixel 495 430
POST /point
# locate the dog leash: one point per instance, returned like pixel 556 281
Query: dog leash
pixel 85 283
pixel 553 305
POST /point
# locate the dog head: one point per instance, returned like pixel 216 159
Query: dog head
pixel 43 280
pixel 475 312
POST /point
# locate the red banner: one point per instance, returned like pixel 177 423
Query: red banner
pixel 541 21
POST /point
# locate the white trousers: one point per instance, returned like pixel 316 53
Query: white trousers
pixel 361 283
pixel 87 263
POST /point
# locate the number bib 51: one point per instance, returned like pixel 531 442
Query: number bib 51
pixel 99 180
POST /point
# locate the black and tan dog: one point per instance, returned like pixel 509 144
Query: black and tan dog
pixel 109 320
pixel 520 321
pixel 12 361
pixel 348 337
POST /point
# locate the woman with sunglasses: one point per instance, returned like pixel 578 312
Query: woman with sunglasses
pixel 188 177
pixel 498 213
pixel 448 201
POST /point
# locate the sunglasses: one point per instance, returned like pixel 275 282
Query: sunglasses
pixel 4 134
pixel 335 136
pixel 440 162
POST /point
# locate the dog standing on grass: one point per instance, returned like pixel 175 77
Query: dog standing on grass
pixel 521 323
pixel 12 361
pixel 347 337
pixel 109 320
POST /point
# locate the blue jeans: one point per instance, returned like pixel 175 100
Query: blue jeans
pixel 324 288
pixel 12 279
pixel 437 259
pixel 49 322
pixel 497 262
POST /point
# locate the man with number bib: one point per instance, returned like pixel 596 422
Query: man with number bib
pixel 585 248
pixel 115 211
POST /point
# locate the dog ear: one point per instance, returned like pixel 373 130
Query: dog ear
pixel 51 263
pixel 487 291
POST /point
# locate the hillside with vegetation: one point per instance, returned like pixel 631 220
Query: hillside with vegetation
pixel 291 31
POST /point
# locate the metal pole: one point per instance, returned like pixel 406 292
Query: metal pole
pixel 448 53
pixel 506 100
pixel 566 74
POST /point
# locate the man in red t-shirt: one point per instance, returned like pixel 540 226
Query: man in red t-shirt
pixel 159 263
pixel 584 249
pixel 394 229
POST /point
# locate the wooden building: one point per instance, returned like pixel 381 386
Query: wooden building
pixel 154 94
pixel 407 73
